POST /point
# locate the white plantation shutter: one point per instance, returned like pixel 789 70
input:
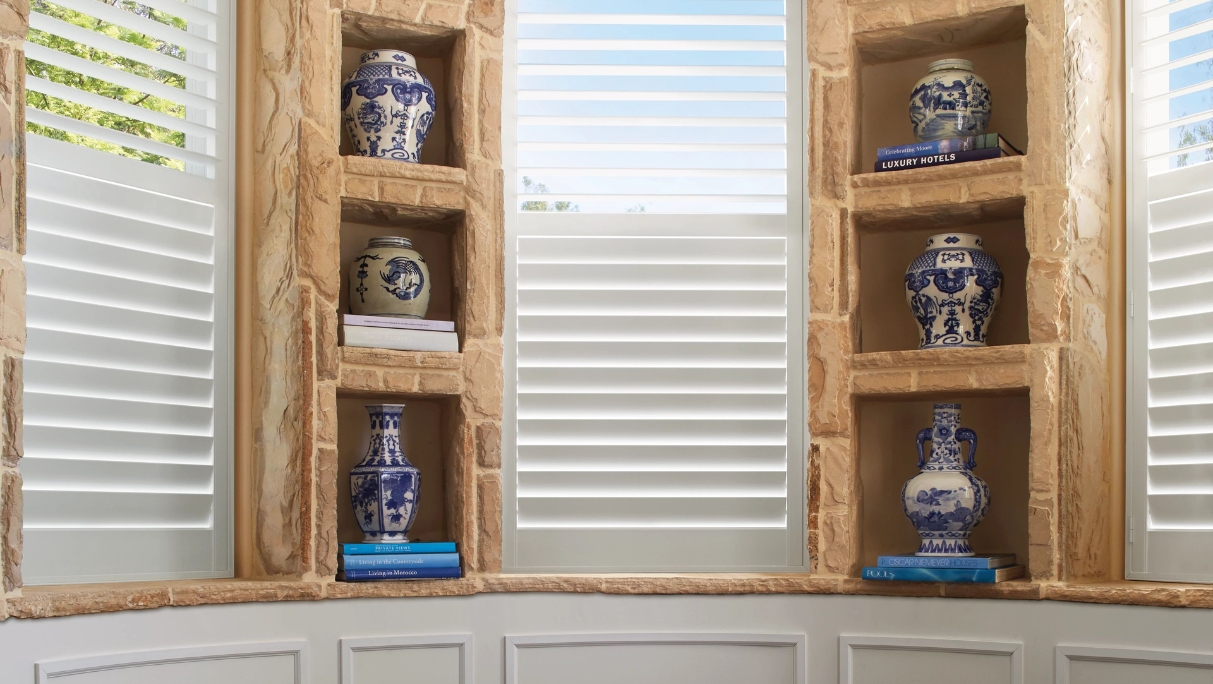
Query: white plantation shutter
pixel 655 410
pixel 127 470
pixel 1170 268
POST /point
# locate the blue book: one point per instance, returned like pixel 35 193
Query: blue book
pixel 923 161
pixel 961 144
pixel 997 560
pixel 411 573
pixel 976 576
pixel 407 547
pixel 397 561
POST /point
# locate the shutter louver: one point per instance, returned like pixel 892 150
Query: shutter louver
pixel 1170 374
pixel 126 473
pixel 655 334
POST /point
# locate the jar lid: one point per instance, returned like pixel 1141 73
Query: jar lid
pixel 388 56
pixel 390 241
pixel 954 241
pixel 944 64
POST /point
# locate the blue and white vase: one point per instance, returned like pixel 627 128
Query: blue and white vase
pixel 384 487
pixel 945 500
pixel 388 106
pixel 953 289
pixel 389 278
pixel 950 101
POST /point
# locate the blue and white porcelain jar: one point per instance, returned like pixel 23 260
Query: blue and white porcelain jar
pixel 384 487
pixel 388 106
pixel 389 278
pixel 945 500
pixel 953 288
pixel 950 101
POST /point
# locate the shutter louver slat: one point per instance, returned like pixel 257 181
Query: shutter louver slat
pixel 651 288
pixel 126 471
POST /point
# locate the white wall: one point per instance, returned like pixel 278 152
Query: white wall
pixel 596 638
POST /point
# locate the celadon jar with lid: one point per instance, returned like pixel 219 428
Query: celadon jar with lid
pixel 389 278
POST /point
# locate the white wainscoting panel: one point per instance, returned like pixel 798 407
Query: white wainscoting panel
pixel 878 660
pixel 279 662
pixel 660 658
pixel 1088 665
pixel 428 659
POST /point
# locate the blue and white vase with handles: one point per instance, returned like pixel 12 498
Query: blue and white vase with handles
pixel 953 288
pixel 945 500
pixel 389 278
pixel 388 106
pixel 950 101
pixel 384 487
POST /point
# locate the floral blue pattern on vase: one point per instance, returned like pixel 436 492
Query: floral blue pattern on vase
pixel 384 487
pixel 388 106
pixel 950 101
pixel 953 289
pixel 945 500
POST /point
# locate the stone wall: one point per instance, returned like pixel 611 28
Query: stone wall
pixel 300 187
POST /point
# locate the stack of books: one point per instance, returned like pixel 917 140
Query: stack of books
pixel 946 151
pixel 411 560
pixel 998 567
pixel 407 334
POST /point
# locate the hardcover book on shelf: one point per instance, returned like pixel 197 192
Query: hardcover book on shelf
pixel 997 560
pixel 405 547
pixel 397 561
pixel 404 573
pixel 398 338
pixel 938 159
pixel 960 575
pixel 402 323
pixel 930 147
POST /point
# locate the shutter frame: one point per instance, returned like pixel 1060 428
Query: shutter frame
pixel 170 488
pixel 637 547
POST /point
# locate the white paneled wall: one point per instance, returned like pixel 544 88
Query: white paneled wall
pixel 617 639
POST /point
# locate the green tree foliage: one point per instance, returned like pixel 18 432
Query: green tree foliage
pixel 103 88
pixel 1191 136
pixel 531 187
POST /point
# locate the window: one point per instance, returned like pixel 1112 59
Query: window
pixel 128 358
pixel 655 333
pixel 1170 278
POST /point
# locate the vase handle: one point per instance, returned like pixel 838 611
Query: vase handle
pixel 923 436
pixel 967 435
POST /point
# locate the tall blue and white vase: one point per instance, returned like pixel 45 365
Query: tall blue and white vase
pixel 945 500
pixel 950 101
pixel 388 106
pixel 953 289
pixel 384 487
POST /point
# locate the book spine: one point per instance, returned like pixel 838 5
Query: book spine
pixel 411 573
pixel 395 338
pixel 398 323
pixel 927 562
pixel 926 148
pixel 407 547
pixel 976 576
pixel 938 159
pixel 400 561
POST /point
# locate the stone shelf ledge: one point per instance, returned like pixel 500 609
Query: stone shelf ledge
pixel 389 359
pixel 358 379
pixel 980 190
pixel 904 29
pixel 56 601
pixel 387 191
pixel 942 370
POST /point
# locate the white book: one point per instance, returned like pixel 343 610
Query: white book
pixel 405 323
pixel 397 338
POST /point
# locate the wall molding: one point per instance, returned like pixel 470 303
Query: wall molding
pixel 848 644
pixel 514 642
pixel 45 671
pixel 1067 654
pixel 350 646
